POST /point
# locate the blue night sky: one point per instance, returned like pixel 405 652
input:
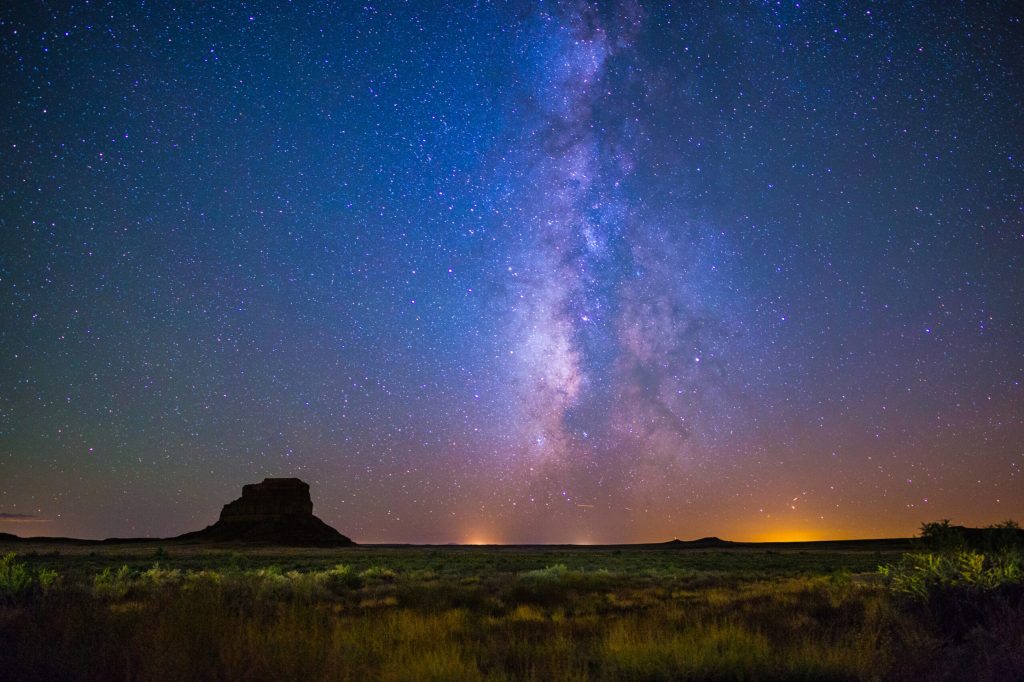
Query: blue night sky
pixel 513 271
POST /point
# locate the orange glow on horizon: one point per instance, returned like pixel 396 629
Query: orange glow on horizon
pixel 479 537
pixel 797 534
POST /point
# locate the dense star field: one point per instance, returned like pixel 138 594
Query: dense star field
pixel 513 272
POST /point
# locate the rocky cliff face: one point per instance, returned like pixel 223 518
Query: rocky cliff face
pixel 277 511
pixel 273 497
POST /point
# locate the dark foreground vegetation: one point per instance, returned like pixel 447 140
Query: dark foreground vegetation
pixel 154 612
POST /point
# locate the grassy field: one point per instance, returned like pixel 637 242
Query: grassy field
pixel 168 612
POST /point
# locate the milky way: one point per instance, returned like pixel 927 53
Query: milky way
pixel 584 272
pixel 607 333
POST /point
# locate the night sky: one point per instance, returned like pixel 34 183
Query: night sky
pixel 513 272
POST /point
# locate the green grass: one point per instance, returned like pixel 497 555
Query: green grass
pixel 169 613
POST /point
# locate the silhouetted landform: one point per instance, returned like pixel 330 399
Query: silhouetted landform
pixel 59 540
pixel 702 543
pixel 716 543
pixel 277 511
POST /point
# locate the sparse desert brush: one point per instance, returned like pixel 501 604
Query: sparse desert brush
pixel 202 580
pixel 113 583
pixel 270 584
pixel 48 579
pixel 15 579
pixel 919 575
pixel 118 583
pixel 541 586
pixel 340 579
pixel 18 582
pixel 491 615
pixel 378 573
pixel 967 606
pixel 557 585
pixel 237 561
pixel 158 577
pixel 554 572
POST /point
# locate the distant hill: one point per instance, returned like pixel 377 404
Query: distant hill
pixel 702 543
pixel 882 544
pixel 42 539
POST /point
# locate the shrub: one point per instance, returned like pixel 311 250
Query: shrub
pixel 18 583
pixel 941 536
pixel 195 581
pixel 238 562
pixel 159 578
pixel 378 573
pixel 339 579
pixel 918 575
pixel 267 584
pixel 555 572
pixel 1005 536
pixel 111 584
pixel 545 586
pixel 961 591
pixel 841 577
pixel 48 579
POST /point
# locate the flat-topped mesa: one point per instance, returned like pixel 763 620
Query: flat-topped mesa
pixel 277 511
pixel 270 499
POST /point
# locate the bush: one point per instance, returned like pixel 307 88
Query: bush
pixel 378 573
pixel 560 577
pixel 159 578
pixel 555 572
pixel 340 579
pixel 18 583
pixel 942 536
pixel 920 574
pixel 546 586
pixel 1005 536
pixel 111 584
pixel 48 579
pixel 960 592
pixel 206 580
